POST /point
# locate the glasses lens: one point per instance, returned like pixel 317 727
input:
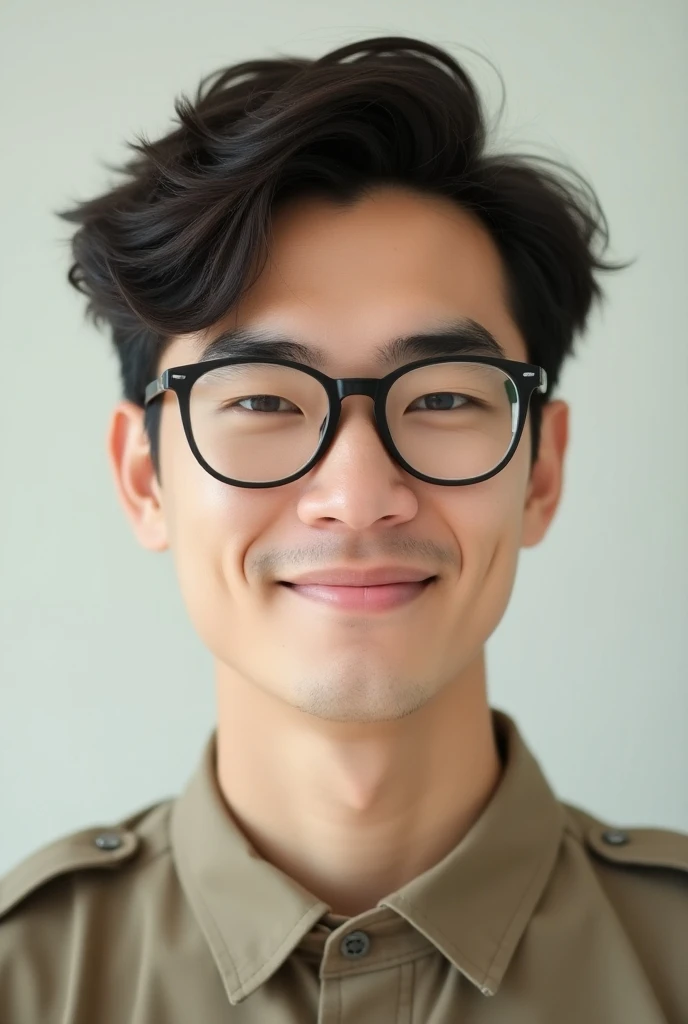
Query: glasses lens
pixel 257 422
pixel 453 421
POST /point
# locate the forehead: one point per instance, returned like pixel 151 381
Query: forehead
pixel 347 279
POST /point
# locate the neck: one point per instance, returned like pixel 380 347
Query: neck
pixel 353 811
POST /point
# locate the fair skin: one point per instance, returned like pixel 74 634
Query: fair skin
pixel 354 750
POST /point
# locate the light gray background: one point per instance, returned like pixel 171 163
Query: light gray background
pixel 107 693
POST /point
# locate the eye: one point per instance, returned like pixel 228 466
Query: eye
pixel 442 405
pixel 268 400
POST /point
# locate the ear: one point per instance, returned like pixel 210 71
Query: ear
pixel 547 474
pixel 132 467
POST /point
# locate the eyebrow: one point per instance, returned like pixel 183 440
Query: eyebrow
pixel 459 336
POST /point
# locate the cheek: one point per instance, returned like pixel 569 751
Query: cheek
pixel 488 515
pixel 486 520
pixel 210 528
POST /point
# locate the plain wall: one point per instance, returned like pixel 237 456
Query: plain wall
pixel 107 692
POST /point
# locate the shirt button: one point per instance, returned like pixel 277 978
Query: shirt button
pixel 355 945
pixel 108 841
pixel 615 837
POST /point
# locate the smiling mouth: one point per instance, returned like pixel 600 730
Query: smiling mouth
pixel 376 598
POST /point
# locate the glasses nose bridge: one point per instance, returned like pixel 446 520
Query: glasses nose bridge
pixel 358 386
pixel 368 386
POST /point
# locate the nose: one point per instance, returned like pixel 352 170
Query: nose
pixel 357 483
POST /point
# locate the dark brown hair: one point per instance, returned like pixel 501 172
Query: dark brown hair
pixel 172 248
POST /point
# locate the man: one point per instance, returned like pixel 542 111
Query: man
pixel 362 317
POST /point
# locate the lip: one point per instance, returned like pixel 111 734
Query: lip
pixel 343 577
pixel 381 597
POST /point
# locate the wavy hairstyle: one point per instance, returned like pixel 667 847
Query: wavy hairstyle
pixel 172 248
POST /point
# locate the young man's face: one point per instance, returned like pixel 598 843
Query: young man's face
pixel 347 280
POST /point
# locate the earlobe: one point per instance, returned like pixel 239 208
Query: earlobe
pixel 134 476
pixel 547 474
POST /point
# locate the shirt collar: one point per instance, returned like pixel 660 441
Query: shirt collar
pixel 473 906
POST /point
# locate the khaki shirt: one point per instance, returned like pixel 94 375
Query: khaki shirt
pixel 541 915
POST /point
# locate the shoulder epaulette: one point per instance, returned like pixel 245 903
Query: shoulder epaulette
pixel 639 847
pixel 96 848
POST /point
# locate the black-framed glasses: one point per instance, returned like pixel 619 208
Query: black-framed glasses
pixel 256 422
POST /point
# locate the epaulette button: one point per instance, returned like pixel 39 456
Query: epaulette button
pixel 108 841
pixel 615 837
